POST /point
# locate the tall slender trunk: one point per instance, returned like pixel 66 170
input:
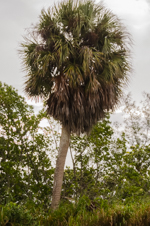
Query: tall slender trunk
pixel 59 170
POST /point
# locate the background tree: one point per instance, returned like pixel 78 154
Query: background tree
pixel 77 57
pixel 128 163
pixel 26 171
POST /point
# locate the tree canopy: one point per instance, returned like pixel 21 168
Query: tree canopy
pixel 78 58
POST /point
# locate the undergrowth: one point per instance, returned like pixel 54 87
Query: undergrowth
pixel 80 214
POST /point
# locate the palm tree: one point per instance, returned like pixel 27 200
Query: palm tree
pixel 77 57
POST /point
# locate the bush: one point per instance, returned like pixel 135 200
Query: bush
pixel 13 214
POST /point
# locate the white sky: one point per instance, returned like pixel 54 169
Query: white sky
pixel 17 15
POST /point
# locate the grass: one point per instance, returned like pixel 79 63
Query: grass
pixel 68 214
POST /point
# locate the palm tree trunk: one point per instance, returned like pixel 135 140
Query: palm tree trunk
pixel 59 170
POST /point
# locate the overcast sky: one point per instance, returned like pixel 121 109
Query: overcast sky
pixel 17 15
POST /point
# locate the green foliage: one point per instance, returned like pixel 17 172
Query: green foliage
pixel 109 179
pixel 77 215
pixel 25 169
pixel 13 214
pixel 131 153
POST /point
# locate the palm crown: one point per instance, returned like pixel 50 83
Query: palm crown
pixel 78 58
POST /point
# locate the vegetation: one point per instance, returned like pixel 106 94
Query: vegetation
pixel 77 57
pixel 77 215
pixel 107 185
pixel 24 163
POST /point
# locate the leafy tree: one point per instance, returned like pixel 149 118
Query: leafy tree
pixel 135 163
pixel 77 57
pixel 26 171
pixel 127 168
pixel 137 120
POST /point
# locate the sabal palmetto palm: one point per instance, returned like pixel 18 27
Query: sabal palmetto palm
pixel 78 58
